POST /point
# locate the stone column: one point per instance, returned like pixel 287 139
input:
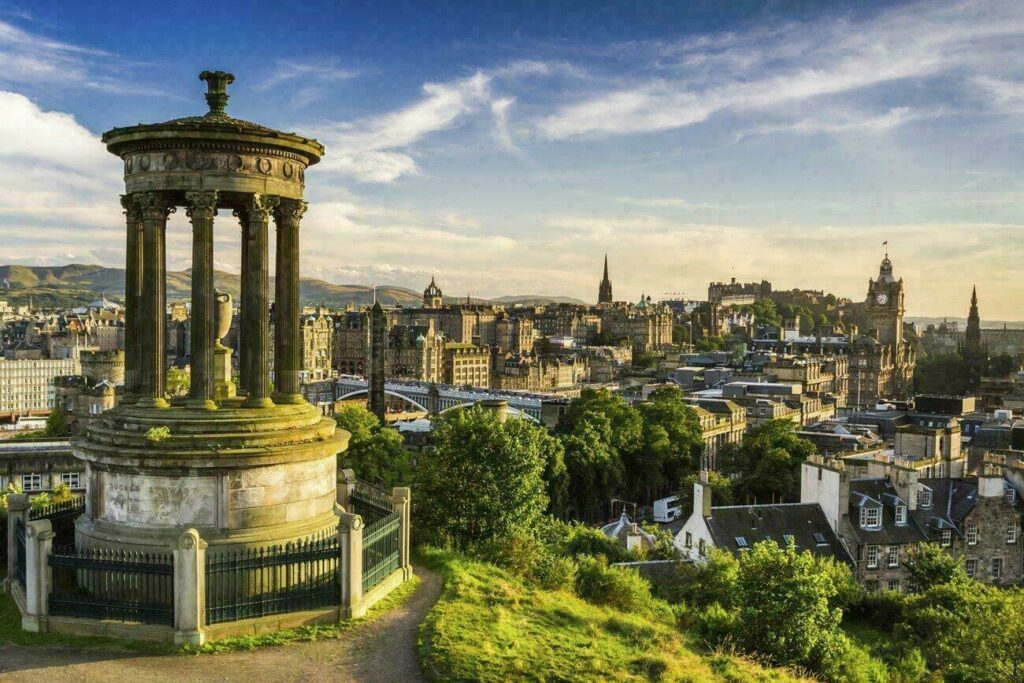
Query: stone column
pixel 155 207
pixel 202 207
pixel 243 316
pixel 17 508
pixel 346 486
pixel 132 298
pixel 38 541
pixel 190 589
pixel 256 301
pixel 401 499
pixel 350 562
pixel 287 335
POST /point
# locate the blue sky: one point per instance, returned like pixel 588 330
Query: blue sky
pixel 504 147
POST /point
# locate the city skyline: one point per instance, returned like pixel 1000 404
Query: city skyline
pixel 505 153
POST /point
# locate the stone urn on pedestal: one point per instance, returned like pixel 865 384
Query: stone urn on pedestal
pixel 223 387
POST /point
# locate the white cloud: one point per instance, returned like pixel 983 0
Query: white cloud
pixel 768 68
pixel 668 203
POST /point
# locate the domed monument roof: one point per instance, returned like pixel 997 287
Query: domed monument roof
pixel 213 151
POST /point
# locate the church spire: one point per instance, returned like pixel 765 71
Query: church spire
pixel 604 292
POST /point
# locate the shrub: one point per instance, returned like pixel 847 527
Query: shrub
pixel 715 624
pixel 552 572
pixel 158 434
pixel 619 588
pixel 585 541
pixel 516 553
pixel 882 610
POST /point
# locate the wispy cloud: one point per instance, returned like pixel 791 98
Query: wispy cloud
pixel 30 59
pixel 767 68
pixel 667 203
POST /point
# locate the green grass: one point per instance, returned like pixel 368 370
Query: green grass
pixel 11 632
pixel 491 626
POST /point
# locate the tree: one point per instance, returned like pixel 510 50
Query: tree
pixel 709 344
pixel 930 565
pixel 56 423
pixel 786 606
pixel 604 338
pixel 1003 365
pixel 482 480
pixel 721 491
pixel 671 442
pixel 765 466
pixel 178 381
pixel 593 465
pixel 944 373
pixel 377 454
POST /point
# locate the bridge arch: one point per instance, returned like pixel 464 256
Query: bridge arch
pixel 388 392
pixel 514 412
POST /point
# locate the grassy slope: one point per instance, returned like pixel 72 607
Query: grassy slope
pixel 489 626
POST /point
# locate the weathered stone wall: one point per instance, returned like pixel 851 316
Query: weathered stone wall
pixel 992 515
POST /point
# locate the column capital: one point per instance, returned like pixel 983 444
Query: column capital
pixel 153 205
pixel 201 204
pixel 131 209
pixel 258 207
pixel 290 211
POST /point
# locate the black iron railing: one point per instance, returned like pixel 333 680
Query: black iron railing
pixel 19 550
pixel 381 554
pixel 113 584
pixel 62 518
pixel 256 582
pixel 371 503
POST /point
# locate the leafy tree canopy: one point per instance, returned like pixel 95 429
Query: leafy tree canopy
pixel 765 466
pixel 377 454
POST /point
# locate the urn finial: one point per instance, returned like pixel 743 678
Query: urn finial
pixel 217 90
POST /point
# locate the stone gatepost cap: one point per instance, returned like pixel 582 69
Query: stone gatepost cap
pixel 349 522
pixel 347 476
pixel 401 493
pixel 191 540
pixel 39 527
pixel 16 502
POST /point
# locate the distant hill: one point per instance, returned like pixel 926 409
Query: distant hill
pixel 537 300
pixel 76 284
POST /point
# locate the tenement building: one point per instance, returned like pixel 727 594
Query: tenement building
pixel 881 360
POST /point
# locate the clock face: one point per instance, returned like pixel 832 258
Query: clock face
pixel 882 299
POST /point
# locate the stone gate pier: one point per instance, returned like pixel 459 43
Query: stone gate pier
pixel 250 469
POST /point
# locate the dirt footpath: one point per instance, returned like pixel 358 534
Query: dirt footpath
pixel 381 650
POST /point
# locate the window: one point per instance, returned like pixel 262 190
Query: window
pixel 31 482
pixel 913 586
pixel 947 538
pixel 894 585
pixel 924 498
pixel 741 542
pixel 1011 532
pixel 700 546
pixel 870 517
pixel 972 534
pixel 971 567
pixel 997 567
pixel 871 586
pixel 901 514
pixel 819 538
pixel 689 540
pixel 894 556
pixel 1011 495
pixel 72 479
pixel 872 556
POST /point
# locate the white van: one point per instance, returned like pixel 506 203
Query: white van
pixel 666 509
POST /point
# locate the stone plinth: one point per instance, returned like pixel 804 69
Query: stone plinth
pixel 240 477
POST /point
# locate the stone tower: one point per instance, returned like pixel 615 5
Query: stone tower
pixel 884 305
pixel 432 297
pixel 974 353
pixel 378 346
pixel 604 292
pixel 249 470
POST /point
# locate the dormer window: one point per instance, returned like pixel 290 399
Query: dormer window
pixel 870 517
pixel 947 538
pixel 924 498
pixel 1011 495
pixel 901 515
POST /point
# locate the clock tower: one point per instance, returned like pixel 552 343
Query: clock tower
pixel 884 305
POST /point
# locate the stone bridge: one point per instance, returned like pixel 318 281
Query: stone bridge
pixel 418 395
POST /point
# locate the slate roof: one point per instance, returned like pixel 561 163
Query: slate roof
pixel 735 527
pixel 881 491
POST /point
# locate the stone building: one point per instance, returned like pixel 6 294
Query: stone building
pixel 84 397
pixel 883 515
pixel 604 290
pixel 646 325
pixel 721 422
pixel 27 385
pixel 432 297
pixel 40 466
pixel 513 333
pixel 567 321
pixel 523 372
pixel 974 353
pixel 467 365
pixel 317 347
pixel 351 344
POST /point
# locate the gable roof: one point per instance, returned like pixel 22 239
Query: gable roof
pixel 881 492
pixel 735 527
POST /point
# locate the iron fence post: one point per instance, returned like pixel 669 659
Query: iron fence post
pixel 401 499
pixel 38 542
pixel 350 565
pixel 346 486
pixel 17 508
pixel 190 589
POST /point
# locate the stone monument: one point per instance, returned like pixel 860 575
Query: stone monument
pixel 256 468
